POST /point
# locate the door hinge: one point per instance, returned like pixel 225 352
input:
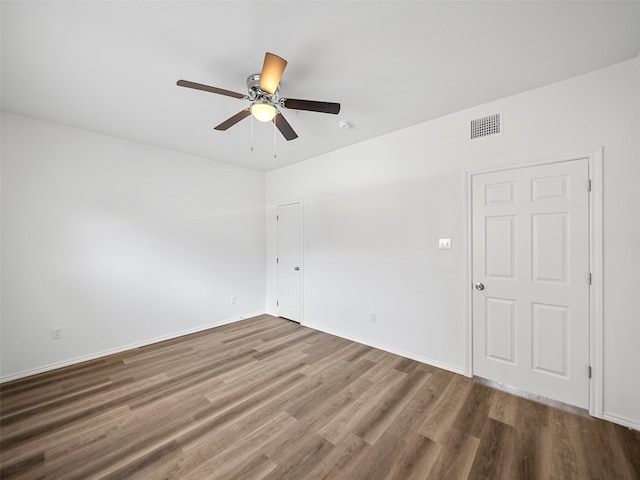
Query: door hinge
pixel 589 371
pixel 277 303
pixel 589 186
pixel 278 216
pixel 277 260
pixel 589 279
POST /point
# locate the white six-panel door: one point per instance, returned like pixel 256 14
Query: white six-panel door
pixel 530 235
pixel 289 219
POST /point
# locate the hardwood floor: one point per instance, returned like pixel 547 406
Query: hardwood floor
pixel 266 398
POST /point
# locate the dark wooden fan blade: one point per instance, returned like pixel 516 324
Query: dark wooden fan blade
pixel 230 122
pixel 311 105
pixel 272 70
pixel 284 127
pixel 207 88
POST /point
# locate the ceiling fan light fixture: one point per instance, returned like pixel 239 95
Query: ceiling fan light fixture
pixel 263 93
pixel 263 112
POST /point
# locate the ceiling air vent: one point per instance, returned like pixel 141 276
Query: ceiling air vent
pixel 489 125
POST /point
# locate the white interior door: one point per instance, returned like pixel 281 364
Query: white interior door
pixel 289 218
pixel 531 273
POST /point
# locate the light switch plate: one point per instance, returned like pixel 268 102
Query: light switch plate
pixel 444 244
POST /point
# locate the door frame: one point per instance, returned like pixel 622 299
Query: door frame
pixel 285 204
pixel 596 252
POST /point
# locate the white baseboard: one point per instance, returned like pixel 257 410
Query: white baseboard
pixel 395 351
pixel 625 422
pixel 104 353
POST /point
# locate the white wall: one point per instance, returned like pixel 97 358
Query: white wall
pixel 119 243
pixel 373 213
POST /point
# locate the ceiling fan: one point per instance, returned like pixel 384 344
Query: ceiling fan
pixel 264 95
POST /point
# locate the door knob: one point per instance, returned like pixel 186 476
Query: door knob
pixel 297 268
pixel 479 286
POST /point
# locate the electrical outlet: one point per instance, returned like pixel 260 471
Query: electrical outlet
pixel 444 244
pixel 374 317
pixel 56 333
pixel 233 300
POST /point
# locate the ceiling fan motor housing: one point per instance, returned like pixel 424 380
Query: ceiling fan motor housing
pixel 256 93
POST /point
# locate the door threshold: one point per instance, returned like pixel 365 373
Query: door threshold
pixel 532 396
pixel 288 319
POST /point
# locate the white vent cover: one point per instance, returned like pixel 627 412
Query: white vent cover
pixel 489 125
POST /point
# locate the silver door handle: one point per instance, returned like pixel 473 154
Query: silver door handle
pixel 297 268
pixel 479 286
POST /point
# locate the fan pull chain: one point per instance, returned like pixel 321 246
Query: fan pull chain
pixel 274 138
pixel 252 133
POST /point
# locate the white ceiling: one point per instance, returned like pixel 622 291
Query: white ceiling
pixel 111 67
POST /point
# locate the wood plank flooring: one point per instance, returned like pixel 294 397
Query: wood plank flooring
pixel 266 398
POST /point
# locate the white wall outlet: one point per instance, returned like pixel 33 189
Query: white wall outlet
pixel 444 244
pixel 56 333
pixel 373 317
pixel 233 300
